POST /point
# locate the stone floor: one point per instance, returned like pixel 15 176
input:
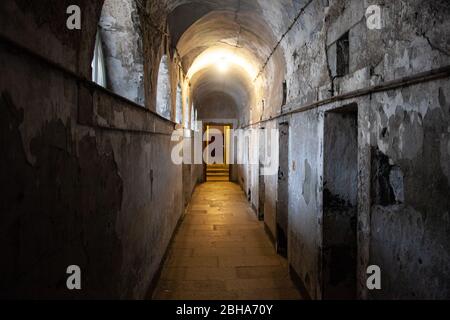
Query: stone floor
pixel 222 252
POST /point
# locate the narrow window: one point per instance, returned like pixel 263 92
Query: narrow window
pixel 343 55
pixel 98 63
pixel 196 125
pixel 163 89
pixel 284 93
pixel 186 116
pixel 179 106
pixel 192 118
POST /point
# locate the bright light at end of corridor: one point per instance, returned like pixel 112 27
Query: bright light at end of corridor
pixel 222 65
pixel 223 60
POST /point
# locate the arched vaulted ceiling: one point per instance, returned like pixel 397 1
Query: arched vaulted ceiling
pixel 242 33
pixel 235 84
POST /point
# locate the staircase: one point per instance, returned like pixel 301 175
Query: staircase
pixel 217 172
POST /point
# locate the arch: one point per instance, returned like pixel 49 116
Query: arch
pixel 179 105
pixel 120 32
pixel 240 36
pixel 163 89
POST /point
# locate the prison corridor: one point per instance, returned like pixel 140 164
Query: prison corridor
pixel 221 252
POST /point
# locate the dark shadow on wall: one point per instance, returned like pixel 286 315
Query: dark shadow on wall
pixel 410 230
pixel 58 211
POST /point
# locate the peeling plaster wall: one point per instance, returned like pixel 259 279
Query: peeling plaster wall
pixel 271 184
pixel 410 229
pixel 305 201
pixel 39 26
pixel 89 174
pixel 408 238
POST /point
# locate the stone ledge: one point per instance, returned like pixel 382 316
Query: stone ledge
pixel 100 108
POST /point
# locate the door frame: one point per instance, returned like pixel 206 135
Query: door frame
pixel 205 127
pixel 282 250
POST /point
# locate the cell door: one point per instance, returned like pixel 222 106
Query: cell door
pixel 283 191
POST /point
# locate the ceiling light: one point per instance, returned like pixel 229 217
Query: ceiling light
pixel 222 60
pixel 222 65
